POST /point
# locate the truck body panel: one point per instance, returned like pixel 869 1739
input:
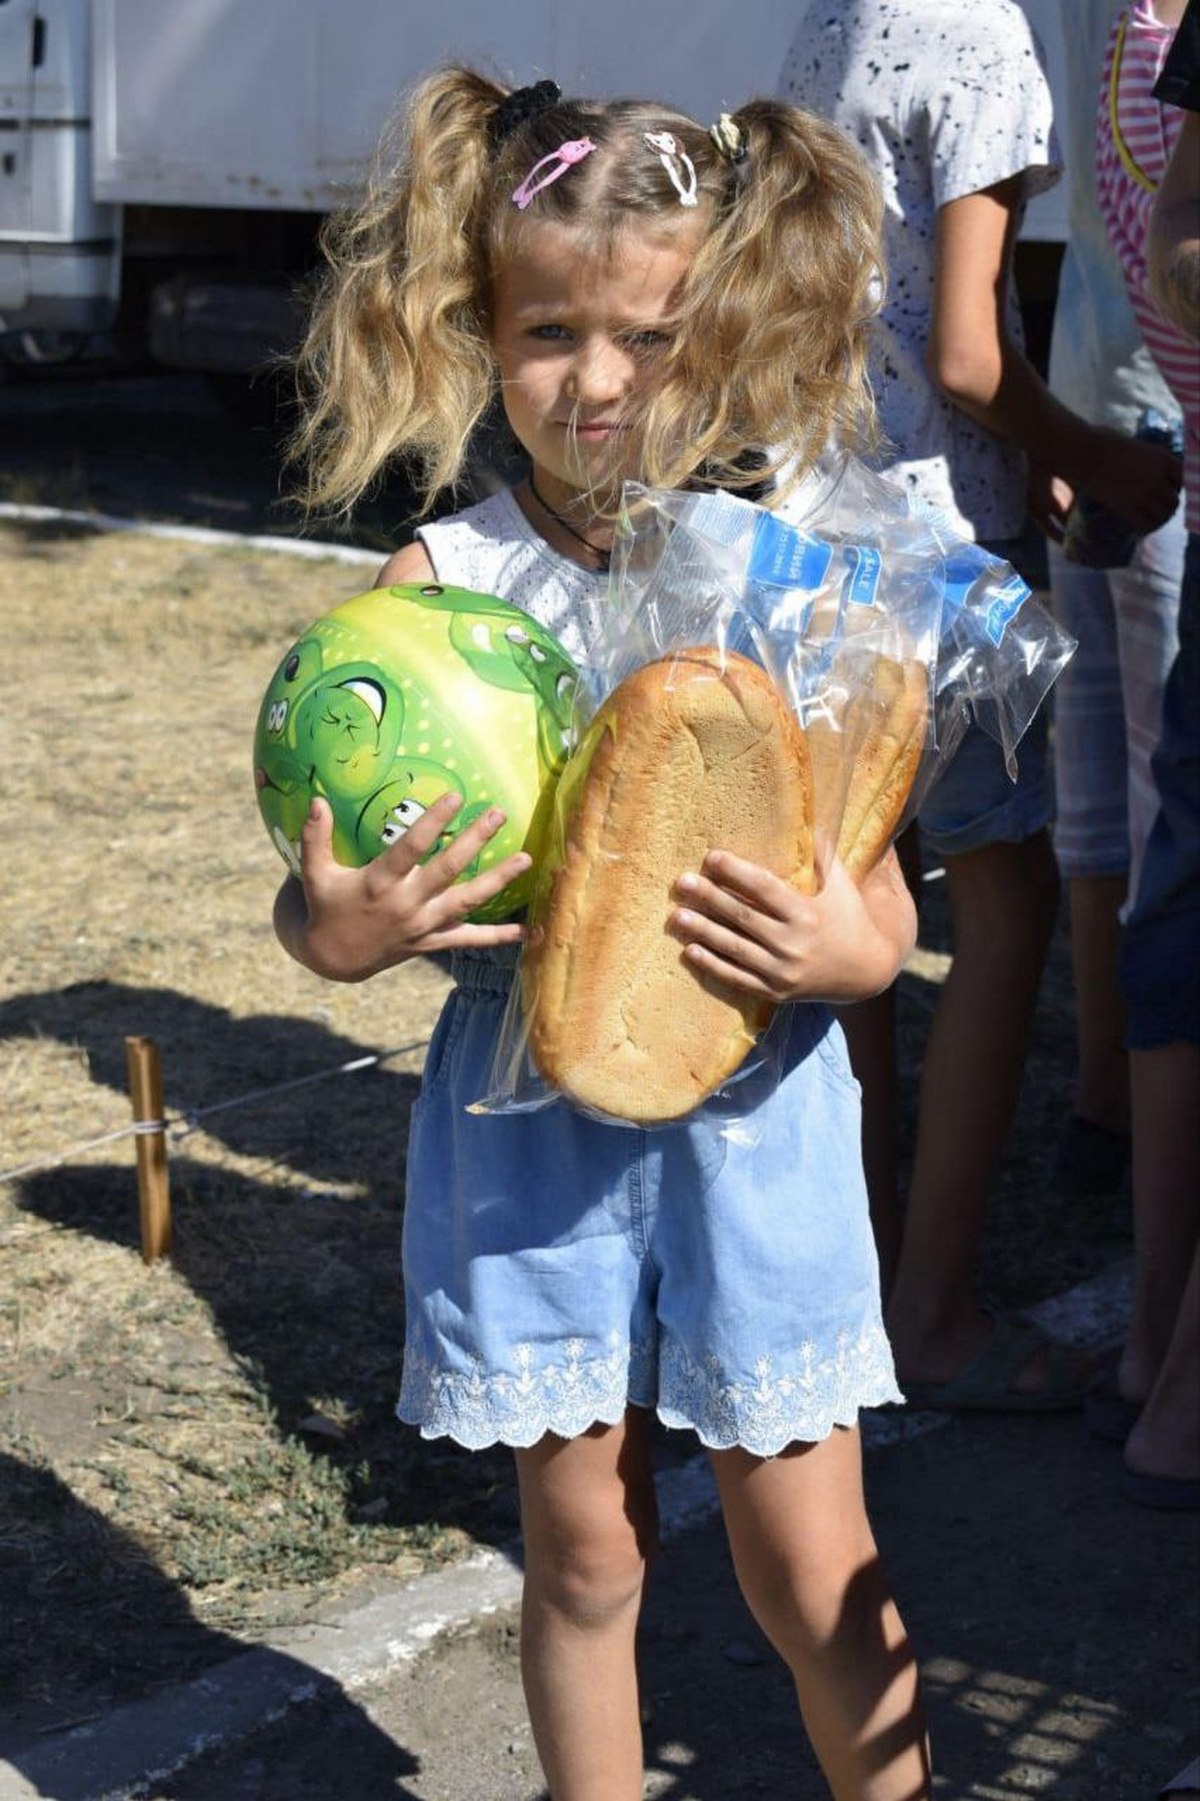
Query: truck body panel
pixel 164 129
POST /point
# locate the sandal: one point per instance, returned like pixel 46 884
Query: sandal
pixel 1186 1783
pixel 1109 1415
pixel 1092 1160
pixel 1169 1494
pixel 985 1385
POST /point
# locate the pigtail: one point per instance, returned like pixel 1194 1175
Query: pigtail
pixel 775 318
pixel 396 360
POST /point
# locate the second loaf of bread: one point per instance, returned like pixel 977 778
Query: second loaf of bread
pixel 695 752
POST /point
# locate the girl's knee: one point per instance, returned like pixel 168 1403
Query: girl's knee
pixel 822 1611
pixel 591 1581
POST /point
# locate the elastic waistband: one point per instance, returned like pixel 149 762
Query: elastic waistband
pixel 485 972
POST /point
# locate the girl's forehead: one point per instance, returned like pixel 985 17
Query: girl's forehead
pixel 552 259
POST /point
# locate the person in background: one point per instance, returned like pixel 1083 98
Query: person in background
pixel 1148 179
pixel 1118 594
pixel 951 108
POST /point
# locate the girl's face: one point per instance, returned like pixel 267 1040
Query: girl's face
pixel 576 338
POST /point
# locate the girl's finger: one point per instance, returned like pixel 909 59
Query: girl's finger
pixel 417 842
pixel 712 901
pixel 732 975
pixel 768 892
pixel 731 948
pixel 460 898
pixel 444 870
pixel 316 846
pixel 474 937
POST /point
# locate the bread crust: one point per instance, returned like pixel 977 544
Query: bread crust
pixel 865 766
pixel 694 752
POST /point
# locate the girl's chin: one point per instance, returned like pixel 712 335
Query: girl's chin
pixel 600 469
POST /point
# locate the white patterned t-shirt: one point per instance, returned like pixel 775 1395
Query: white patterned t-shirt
pixel 944 99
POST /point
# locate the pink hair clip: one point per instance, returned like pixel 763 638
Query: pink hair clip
pixel 556 164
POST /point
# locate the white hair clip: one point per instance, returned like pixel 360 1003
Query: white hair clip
pixel 728 138
pixel 677 163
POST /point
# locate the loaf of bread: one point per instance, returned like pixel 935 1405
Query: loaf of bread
pixel 865 765
pixel 695 752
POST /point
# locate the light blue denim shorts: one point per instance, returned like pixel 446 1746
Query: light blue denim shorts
pixel 558 1268
pixel 975 801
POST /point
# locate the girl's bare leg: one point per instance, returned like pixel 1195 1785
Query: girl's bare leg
pixel 807 1564
pixel 589 1523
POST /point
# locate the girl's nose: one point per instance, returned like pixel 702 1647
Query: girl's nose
pixel 601 372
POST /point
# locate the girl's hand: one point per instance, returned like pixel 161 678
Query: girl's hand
pixel 347 924
pixel 751 931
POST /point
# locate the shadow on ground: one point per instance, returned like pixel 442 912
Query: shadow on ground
pixel 77 1582
pixel 298 1271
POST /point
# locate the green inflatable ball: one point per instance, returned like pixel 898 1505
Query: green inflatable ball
pixel 399 696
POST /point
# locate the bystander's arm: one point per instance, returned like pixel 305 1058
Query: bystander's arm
pixel 977 366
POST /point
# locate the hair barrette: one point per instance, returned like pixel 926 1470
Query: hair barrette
pixel 728 137
pixel 519 107
pixel 556 164
pixel 677 163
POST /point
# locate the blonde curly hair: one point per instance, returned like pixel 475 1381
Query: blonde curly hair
pixel 767 359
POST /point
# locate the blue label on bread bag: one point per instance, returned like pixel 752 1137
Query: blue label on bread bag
pixel 994 606
pixel 964 565
pixel 783 556
pixel 865 566
pixel 1007 600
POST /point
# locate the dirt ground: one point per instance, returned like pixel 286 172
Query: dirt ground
pixel 195 1454
pixel 1058 1657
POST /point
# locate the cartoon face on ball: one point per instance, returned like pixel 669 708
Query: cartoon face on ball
pixel 401 695
pixel 392 811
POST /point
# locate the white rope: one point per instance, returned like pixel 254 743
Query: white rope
pixel 87 1144
pixel 189 1118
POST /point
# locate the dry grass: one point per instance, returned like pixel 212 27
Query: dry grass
pixel 219 1425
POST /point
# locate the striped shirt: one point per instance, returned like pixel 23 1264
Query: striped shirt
pixel 1134 139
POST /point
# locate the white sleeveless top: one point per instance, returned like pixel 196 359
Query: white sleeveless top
pixel 491 548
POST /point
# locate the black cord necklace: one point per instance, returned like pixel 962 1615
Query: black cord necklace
pixel 603 557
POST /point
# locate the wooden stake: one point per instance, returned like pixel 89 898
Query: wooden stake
pixel 154 1192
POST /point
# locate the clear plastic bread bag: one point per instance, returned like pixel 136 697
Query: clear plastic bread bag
pixel 886 634
pixel 999 651
pixel 628 1033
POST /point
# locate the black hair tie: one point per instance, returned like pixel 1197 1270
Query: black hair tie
pixel 518 107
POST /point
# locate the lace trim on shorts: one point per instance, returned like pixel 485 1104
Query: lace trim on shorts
pixel 781 1406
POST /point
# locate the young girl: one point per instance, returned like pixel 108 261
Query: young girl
pixel 657 300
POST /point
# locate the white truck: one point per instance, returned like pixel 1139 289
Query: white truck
pixel 168 161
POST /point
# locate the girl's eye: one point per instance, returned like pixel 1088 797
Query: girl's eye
pixel 648 339
pixel 549 334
